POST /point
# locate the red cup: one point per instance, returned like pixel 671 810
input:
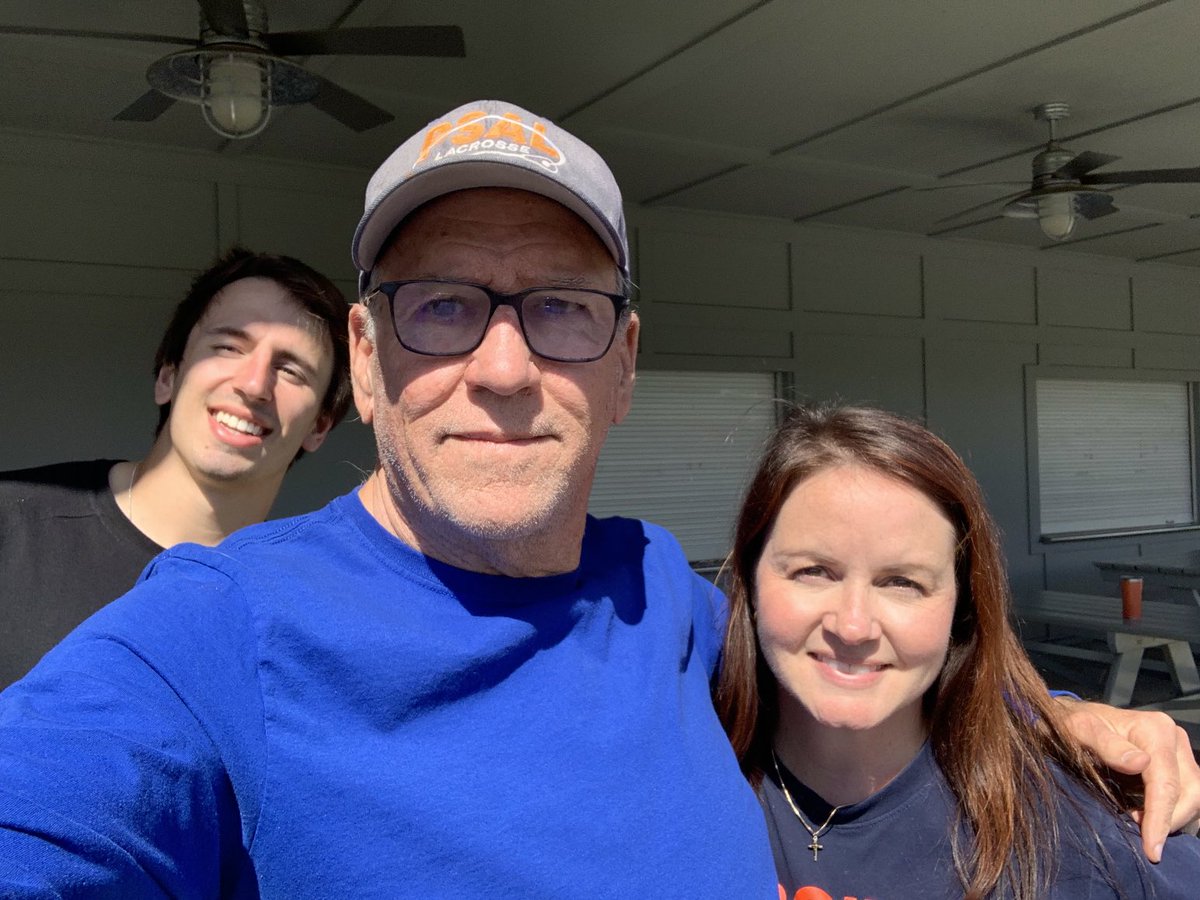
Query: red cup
pixel 1131 597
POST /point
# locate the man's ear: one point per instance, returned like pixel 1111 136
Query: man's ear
pixel 320 430
pixel 362 358
pixel 627 353
pixel 164 385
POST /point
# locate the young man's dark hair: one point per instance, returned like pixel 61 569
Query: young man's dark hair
pixel 308 287
pixel 76 534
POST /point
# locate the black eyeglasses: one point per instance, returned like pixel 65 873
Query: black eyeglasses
pixel 450 318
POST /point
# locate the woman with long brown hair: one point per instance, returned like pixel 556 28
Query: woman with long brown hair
pixel 876 695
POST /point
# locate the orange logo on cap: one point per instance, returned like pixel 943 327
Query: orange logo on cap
pixel 481 133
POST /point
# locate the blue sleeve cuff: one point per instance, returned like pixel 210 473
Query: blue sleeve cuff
pixel 1073 696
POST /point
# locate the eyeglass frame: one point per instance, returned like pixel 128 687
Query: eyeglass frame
pixel 622 304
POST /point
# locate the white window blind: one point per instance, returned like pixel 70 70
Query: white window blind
pixel 684 454
pixel 1113 454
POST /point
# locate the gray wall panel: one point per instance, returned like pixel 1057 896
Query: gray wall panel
pixel 1164 358
pixel 1166 305
pixel 712 270
pixel 834 279
pixel 1084 299
pixel 979 289
pixel 1084 355
pixel 976 401
pixel 673 330
pixel 862 369
pixel 78 382
pixel 769 344
pixel 283 221
pixel 114 219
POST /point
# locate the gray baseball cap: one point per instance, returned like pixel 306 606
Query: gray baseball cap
pixel 490 143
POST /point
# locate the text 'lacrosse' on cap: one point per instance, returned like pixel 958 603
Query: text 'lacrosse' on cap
pixel 490 143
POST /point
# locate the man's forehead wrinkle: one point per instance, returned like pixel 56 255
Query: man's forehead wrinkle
pixel 503 238
pixel 462 258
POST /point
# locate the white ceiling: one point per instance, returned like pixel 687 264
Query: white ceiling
pixel 830 111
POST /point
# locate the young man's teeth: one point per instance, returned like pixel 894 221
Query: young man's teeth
pixel 231 421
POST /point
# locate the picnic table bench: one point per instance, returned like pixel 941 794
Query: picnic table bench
pixel 1168 625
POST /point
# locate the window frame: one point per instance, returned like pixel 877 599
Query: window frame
pixel 1040 543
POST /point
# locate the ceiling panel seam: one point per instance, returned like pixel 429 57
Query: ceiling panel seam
pixel 925 92
pixel 1140 117
pixel 678 51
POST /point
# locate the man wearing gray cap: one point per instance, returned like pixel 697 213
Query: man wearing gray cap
pixel 450 682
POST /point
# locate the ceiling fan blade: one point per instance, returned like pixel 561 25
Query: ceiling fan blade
pixel 145 108
pixel 977 206
pixel 105 35
pixel 1084 163
pixel 963 184
pixel 384 40
pixel 225 16
pixel 350 109
pixel 1145 176
pixel 1094 206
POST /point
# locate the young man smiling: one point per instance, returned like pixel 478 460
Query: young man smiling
pixel 251 373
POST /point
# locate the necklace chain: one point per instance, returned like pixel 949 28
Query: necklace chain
pixel 816 846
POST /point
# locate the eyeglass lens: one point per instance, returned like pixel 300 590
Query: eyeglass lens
pixel 443 319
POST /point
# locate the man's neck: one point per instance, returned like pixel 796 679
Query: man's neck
pixel 163 501
pixel 555 549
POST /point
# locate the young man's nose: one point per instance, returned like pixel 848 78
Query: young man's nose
pixel 255 377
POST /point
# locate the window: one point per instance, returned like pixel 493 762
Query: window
pixel 683 456
pixel 1114 456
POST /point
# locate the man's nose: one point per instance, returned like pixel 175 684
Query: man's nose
pixel 503 362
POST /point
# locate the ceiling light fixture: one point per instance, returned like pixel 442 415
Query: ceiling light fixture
pixel 235 94
pixel 235 81
pixel 1054 206
pixel 236 87
pixel 1055 198
pixel 1056 215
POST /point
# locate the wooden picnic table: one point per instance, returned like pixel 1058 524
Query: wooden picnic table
pixel 1173 626
pixel 1176 570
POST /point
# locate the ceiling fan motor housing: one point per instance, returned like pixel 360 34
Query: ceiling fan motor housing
pixel 1048 163
pixel 256 27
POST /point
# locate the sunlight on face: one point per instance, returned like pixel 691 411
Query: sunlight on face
pixel 855 595
pixel 497 443
pixel 246 396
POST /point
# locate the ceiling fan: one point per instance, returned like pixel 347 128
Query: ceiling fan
pixel 237 73
pixel 1065 184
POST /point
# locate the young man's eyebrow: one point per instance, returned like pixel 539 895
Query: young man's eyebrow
pixel 287 355
pixel 230 330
